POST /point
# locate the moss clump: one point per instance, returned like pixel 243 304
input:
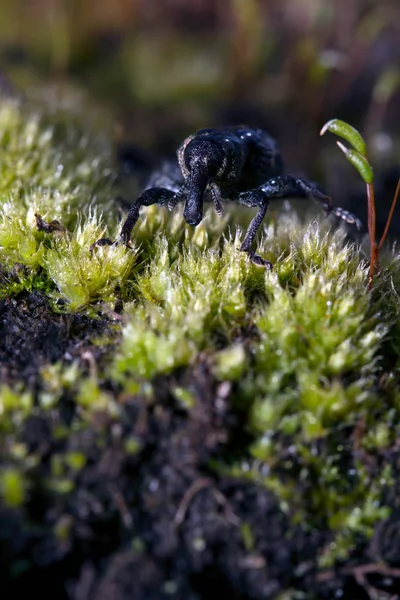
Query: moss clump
pixel 53 167
pixel 314 379
pixel 312 340
pixel 190 305
pixel 55 159
pixel 82 276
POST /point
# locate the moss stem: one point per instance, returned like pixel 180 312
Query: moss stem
pixel 372 231
pixel 396 195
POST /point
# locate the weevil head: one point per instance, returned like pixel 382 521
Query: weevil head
pixel 201 160
pixel 202 153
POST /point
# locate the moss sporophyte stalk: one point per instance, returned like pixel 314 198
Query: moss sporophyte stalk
pixel 307 357
pixel 358 158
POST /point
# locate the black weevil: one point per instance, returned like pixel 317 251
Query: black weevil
pixel 240 164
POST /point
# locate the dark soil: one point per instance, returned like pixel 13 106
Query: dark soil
pixel 31 336
pixel 152 520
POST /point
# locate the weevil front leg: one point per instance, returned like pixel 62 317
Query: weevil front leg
pixel 150 196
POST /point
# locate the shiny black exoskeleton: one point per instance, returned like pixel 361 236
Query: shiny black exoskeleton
pixel 232 163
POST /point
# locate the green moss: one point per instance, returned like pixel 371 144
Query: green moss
pixel 75 461
pixel 12 487
pixel 247 537
pixel 56 379
pixel 184 397
pixel 316 364
pixel 15 406
pixel 51 166
pixel 184 306
pixel 311 353
pixel 91 398
pixel 83 277
pixel 54 158
pixel 230 364
pixel 132 446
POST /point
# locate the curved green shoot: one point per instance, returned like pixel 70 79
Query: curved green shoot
pixel 348 133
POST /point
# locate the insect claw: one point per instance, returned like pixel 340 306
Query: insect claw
pixel 101 242
pixel 346 216
pixel 257 260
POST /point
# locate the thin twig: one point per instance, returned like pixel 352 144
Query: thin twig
pixel 188 497
pixel 196 487
pixel 374 593
pixel 87 355
pixel 396 195
pixel 359 573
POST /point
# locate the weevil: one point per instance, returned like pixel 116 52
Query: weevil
pixel 236 164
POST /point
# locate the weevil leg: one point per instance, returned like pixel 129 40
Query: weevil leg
pixel 176 197
pixel 280 187
pixel 345 215
pixel 286 186
pixel 216 197
pixel 150 196
pixel 250 235
pixel 252 198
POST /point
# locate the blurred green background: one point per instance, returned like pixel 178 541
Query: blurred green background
pixel 164 68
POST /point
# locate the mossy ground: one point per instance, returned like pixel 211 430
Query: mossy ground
pixel 175 421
